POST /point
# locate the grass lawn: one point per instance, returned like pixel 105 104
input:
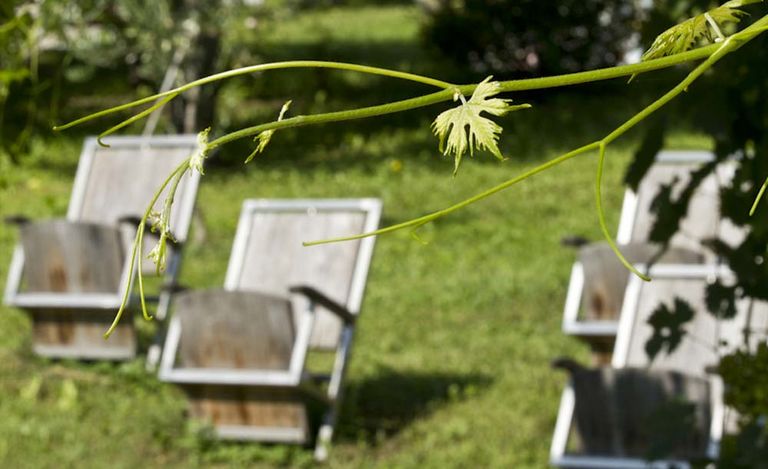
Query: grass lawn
pixel 451 364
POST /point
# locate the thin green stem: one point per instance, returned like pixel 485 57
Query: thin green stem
pixel 140 279
pixel 136 251
pixel 127 292
pixel 261 68
pixel 107 112
pixel 159 104
pixel 506 86
pixel 487 193
pixel 337 116
pixel 723 48
pixel 399 106
pixel 171 195
pixel 601 216
pixel 757 199
pixel 712 54
pixel 717 52
pixel 606 73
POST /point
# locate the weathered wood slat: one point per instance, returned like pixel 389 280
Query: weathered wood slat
pixel 69 257
pixel 249 407
pixel 706 337
pixel 234 330
pixel 79 263
pixel 67 333
pixel 704 218
pixel 122 181
pixel 276 260
pixel 259 325
pixel 634 413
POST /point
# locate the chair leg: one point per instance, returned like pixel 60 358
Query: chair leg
pixel 153 356
pixel 325 435
pixel 163 305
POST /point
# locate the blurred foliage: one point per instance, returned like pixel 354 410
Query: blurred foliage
pixel 746 390
pixel 18 67
pixel 96 51
pixel 746 379
pixel 530 37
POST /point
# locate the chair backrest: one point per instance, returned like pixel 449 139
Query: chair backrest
pixel 268 255
pixel 65 257
pixel 119 181
pixel 703 219
pixel 705 337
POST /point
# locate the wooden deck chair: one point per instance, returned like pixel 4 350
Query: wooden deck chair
pixel 239 353
pixel 70 274
pixel 705 339
pixel 597 283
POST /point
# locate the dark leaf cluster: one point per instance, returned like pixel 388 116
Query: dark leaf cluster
pixel 530 37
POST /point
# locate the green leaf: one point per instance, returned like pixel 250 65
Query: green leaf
pixel 463 127
pixel 264 137
pixel 686 35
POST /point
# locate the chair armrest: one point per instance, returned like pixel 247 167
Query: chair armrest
pixel 173 288
pixel 319 298
pixel 129 220
pixel 567 364
pixel 574 241
pixel 16 220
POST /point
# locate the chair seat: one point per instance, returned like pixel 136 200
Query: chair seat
pixel 234 330
pixel 635 413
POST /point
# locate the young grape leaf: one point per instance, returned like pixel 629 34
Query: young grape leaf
pixel 463 127
pixel 686 35
pixel 264 137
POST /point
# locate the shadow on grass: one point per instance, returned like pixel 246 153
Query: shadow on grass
pixel 383 405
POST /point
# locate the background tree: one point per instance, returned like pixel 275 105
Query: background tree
pixel 530 37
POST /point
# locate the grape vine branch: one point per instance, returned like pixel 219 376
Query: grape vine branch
pixel 463 127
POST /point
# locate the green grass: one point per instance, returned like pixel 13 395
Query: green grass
pixel 451 361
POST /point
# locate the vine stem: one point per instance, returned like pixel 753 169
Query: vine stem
pixel 723 48
pixel 759 196
pixel 137 249
pixel 711 54
pixel 417 222
pixel 261 68
pixel 446 93
pixel 467 90
pixel 718 51
pixel 601 217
